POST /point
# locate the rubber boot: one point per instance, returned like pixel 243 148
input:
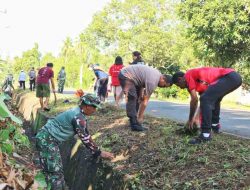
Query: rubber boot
pixel 135 126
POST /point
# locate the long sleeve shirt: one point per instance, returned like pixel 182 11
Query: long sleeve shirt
pixel 65 125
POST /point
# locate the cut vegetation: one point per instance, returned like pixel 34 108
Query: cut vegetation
pixel 161 158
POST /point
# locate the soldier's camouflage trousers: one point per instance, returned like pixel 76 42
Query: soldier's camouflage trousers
pixel 50 159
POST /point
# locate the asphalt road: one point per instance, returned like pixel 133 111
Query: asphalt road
pixel 232 121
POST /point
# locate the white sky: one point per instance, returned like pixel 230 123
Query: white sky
pixel 47 22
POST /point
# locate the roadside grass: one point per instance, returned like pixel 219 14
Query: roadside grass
pixel 161 158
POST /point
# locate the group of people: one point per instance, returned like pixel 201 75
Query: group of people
pixel 32 79
pixel 108 81
pixel 7 86
pixel 39 81
pixel 137 81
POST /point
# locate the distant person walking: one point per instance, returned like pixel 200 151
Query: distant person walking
pixel 212 84
pixel 61 80
pixel 101 82
pixel 115 83
pixel 138 83
pixel 22 78
pixel 44 77
pixel 32 76
pixel 137 59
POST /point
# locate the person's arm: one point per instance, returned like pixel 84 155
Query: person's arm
pixel 80 126
pixel 52 84
pixel 142 107
pixel 109 84
pixel 193 107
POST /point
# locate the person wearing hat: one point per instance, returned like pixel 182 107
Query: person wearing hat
pixel 212 84
pixel 101 82
pixel 22 78
pixel 115 83
pixel 61 128
pixel 138 83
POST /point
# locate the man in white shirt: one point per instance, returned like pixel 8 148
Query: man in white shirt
pixel 22 78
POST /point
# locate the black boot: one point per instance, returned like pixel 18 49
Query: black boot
pixel 216 128
pixel 135 126
pixel 200 139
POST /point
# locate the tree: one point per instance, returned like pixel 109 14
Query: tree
pixel 220 29
pixel 147 26
pixel 30 58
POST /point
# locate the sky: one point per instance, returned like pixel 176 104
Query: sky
pixel 47 22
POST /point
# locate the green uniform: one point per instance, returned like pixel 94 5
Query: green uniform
pixel 8 83
pixel 61 80
pixel 56 130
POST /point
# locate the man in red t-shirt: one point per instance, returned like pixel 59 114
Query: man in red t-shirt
pixel 45 75
pixel 212 84
pixel 115 83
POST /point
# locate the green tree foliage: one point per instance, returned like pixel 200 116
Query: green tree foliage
pixel 29 58
pixel 147 26
pixel 220 29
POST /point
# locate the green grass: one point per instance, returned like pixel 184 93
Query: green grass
pixel 161 158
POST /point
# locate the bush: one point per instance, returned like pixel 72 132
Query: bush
pixel 172 92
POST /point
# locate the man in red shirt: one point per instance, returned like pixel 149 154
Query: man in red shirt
pixel 212 84
pixel 115 83
pixel 45 75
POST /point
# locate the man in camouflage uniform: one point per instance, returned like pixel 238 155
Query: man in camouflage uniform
pixel 61 80
pixel 62 128
pixel 8 85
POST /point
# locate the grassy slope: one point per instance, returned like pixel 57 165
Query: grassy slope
pixel 161 158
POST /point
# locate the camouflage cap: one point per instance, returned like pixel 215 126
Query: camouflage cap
pixel 90 99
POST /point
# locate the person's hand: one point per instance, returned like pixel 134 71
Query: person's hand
pixel 190 124
pixel 107 155
pixel 109 87
pixel 54 91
